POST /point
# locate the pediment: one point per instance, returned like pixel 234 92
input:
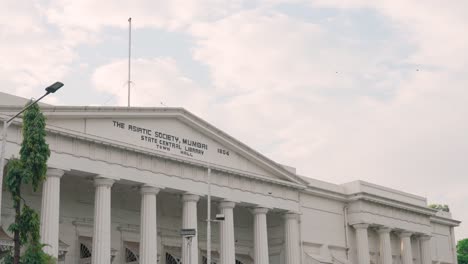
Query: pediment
pixel 173 132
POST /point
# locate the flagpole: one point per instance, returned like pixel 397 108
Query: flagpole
pixel 129 55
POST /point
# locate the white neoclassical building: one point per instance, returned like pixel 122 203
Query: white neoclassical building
pixel 122 183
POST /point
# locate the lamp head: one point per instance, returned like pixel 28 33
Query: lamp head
pixel 54 87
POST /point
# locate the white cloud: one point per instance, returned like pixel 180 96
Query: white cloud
pixel 31 55
pixel 436 28
pixel 155 81
pixel 252 50
pixel 304 95
pixel 169 15
pixel 281 74
pixel 280 70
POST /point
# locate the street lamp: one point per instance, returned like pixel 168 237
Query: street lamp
pixel 6 123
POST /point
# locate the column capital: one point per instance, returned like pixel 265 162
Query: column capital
pixel 101 181
pixel 259 210
pixel 227 204
pixel 51 172
pixel 405 234
pixel 361 226
pixel 425 237
pixel 187 197
pixel 147 189
pixel 384 230
pixel 291 215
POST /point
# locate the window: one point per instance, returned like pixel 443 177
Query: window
pixel 172 260
pixel 85 252
pixel 86 249
pixel 130 256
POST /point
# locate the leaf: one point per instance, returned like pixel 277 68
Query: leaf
pixel 30 168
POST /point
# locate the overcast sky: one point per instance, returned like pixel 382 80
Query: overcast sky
pixel 341 90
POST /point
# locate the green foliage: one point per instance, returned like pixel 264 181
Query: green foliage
pixel 440 207
pixel 34 151
pixel 30 168
pixel 8 259
pixel 462 251
pixel 35 255
pixel 13 179
pixel 29 226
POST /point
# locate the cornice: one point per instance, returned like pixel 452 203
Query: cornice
pixel 363 196
pixel 179 113
pixel 168 156
pixel 445 221
pixel 129 228
pixel 321 192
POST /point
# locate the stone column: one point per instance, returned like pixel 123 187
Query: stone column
pixel 426 257
pixel 50 211
pixel 189 220
pixel 454 245
pixel 226 232
pixel 385 245
pixel 362 243
pixel 406 253
pixel 148 225
pixel 291 238
pixel 102 221
pixel 260 235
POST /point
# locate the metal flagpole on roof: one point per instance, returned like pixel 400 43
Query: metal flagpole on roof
pixel 129 55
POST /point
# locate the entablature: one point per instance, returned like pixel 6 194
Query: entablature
pixel 97 121
pixel 445 221
pixel 378 214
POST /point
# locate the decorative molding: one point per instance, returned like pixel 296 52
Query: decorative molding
pixel 444 221
pixel 129 228
pixel 281 189
pixel 187 118
pixel 363 196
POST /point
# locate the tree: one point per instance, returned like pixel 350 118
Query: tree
pixel 462 251
pixel 440 207
pixel 30 168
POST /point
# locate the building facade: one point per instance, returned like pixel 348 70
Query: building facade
pixel 123 182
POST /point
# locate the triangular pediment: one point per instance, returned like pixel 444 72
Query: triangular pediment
pixel 168 131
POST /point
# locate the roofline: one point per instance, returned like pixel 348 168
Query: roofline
pixel 384 188
pixel 65 111
pixel 445 221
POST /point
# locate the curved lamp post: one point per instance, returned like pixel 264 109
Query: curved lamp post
pixel 6 123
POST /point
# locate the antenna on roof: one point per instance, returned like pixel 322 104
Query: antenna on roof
pixel 129 55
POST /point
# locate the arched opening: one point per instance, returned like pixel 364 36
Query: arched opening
pixel 171 259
